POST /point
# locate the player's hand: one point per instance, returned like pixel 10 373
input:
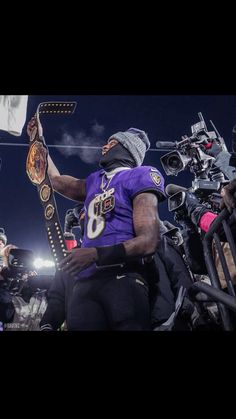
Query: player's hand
pixel 32 127
pixel 78 260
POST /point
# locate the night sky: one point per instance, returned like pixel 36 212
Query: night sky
pixel 95 120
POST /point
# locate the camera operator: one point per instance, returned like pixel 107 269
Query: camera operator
pixel 3 242
pixel 171 307
pixel 201 217
pixel 72 221
pixel 22 293
pixel 205 154
pixel 232 161
pixel 7 309
pixel 228 194
pixel 4 249
pixel 222 157
pixel 198 213
pixel 192 246
pixel 62 287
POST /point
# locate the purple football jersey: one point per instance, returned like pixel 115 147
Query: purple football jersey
pixel 109 209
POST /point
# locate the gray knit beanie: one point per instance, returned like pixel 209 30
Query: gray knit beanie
pixel 135 141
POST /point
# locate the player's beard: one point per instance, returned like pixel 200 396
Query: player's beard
pixel 117 156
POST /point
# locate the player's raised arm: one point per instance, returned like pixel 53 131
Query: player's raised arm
pixel 66 185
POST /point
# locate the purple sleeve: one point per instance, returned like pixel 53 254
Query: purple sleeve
pixel 145 179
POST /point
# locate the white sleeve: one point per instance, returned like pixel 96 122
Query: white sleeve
pixel 13 110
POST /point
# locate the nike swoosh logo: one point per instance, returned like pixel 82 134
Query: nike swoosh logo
pixel 140 282
pixel 119 277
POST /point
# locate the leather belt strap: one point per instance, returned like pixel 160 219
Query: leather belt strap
pixel 37 171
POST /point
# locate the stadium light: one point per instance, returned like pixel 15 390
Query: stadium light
pixel 41 263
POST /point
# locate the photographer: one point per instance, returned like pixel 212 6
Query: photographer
pixel 3 242
pixel 171 307
pixel 4 249
pixel 7 309
pixel 226 162
pixel 72 221
pixel 198 213
pixel 23 293
pixel 204 154
pixel 201 217
pixel 228 193
pixel 232 161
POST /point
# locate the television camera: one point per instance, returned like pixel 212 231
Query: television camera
pixel 197 153
pixel 194 153
pixel 20 263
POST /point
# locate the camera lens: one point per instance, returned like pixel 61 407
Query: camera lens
pixel 174 162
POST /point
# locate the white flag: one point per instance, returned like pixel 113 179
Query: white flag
pixel 13 110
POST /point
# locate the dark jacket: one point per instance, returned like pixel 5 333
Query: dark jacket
pixel 173 274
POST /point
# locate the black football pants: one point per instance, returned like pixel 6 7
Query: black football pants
pixel 117 302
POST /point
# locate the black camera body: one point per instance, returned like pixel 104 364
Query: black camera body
pixel 176 205
pixel 21 261
pixel 206 192
pixel 190 152
pixel 176 201
pixel 174 162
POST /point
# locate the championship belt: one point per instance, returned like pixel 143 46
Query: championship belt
pixel 37 171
